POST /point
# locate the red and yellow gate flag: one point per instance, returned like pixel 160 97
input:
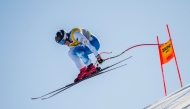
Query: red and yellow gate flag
pixel 166 52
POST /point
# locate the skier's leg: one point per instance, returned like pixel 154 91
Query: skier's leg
pixel 83 52
pixel 94 42
pixel 76 59
pixel 80 65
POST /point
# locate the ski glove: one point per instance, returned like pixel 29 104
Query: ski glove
pixel 99 59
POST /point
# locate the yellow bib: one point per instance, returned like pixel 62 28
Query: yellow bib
pixel 83 31
pixel 75 42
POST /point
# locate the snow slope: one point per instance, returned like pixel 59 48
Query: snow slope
pixel 177 100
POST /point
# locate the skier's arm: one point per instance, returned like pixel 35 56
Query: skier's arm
pixel 81 38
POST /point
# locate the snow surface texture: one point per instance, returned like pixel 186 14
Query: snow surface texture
pixel 177 100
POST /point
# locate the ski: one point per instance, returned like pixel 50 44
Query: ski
pixel 80 81
pixel 101 71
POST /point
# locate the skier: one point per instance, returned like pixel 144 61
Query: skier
pixel 81 43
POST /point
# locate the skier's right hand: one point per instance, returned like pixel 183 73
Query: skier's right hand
pixel 99 59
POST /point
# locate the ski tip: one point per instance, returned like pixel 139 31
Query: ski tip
pixel 33 98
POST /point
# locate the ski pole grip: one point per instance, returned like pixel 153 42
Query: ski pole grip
pixel 100 61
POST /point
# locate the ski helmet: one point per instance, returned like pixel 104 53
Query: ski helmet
pixel 61 37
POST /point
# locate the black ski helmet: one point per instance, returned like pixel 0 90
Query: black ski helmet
pixel 61 37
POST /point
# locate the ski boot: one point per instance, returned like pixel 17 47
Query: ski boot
pixel 91 69
pixel 98 69
pixel 81 75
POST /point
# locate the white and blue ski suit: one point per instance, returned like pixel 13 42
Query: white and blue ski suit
pixel 83 43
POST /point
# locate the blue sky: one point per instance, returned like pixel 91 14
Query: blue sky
pixel 33 64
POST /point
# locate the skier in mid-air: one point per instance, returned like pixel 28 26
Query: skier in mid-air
pixel 81 43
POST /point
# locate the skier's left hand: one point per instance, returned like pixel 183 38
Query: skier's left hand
pixel 99 59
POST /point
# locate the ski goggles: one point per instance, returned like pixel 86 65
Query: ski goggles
pixel 62 42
